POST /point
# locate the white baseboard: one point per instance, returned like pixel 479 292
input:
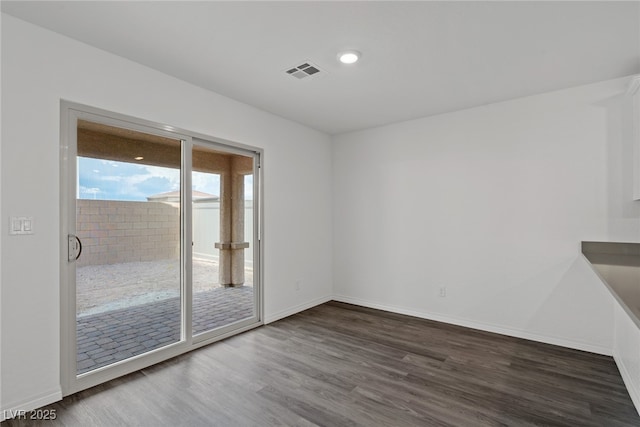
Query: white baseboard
pixel 487 327
pixel 298 308
pixel 15 408
pixel 634 393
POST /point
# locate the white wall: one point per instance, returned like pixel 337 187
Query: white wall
pixel 38 69
pixel 491 202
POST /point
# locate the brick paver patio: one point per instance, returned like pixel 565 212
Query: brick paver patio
pixel 115 335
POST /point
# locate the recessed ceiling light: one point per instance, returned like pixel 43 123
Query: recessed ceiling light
pixel 349 56
pixel 138 158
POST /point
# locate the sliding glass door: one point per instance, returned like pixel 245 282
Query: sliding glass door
pixel 128 281
pixel 159 232
pixel 222 229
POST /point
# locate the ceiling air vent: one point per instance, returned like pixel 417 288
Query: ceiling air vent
pixel 306 69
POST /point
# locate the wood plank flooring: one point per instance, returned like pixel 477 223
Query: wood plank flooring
pixel 343 365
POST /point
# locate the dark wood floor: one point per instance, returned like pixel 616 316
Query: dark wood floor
pixel 342 365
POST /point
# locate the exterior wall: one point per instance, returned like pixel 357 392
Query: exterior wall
pixel 206 230
pixel 114 232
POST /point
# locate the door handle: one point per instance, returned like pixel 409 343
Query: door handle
pixel 74 248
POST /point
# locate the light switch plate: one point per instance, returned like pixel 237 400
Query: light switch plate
pixel 21 225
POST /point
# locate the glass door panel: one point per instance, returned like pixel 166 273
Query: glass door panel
pixel 222 233
pixel 128 274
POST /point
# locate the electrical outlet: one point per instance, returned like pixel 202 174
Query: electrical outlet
pixel 297 285
pixel 443 291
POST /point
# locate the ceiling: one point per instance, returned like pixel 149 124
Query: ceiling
pixel 418 58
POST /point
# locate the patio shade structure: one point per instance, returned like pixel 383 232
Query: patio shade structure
pixel 102 141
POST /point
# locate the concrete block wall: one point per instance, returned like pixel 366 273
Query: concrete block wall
pixel 115 232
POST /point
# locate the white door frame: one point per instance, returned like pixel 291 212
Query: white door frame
pixel 70 113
